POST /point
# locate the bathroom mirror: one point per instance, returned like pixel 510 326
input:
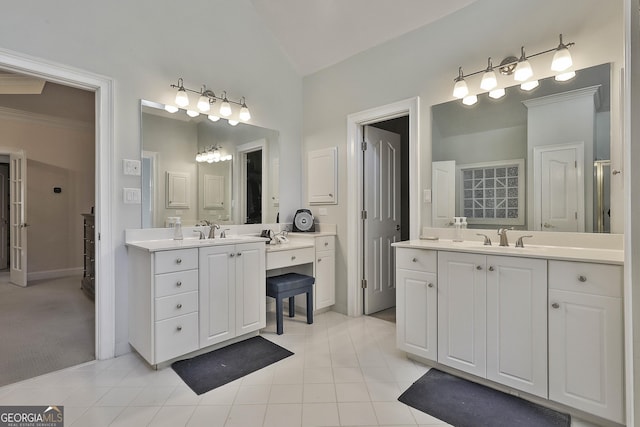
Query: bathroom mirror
pixel 488 150
pixel 237 184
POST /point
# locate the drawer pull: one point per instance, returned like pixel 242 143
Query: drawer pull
pixel 582 278
pixel 293 258
pixel 319 259
pixel 430 285
pixel 414 260
pixel 178 283
pixel 555 305
pixel 179 306
pixel 326 243
pixel 478 267
pixel 179 261
pixel 239 253
pixel 179 328
pixel 232 255
pixel 491 268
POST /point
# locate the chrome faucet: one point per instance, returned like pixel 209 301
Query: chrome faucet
pixel 502 232
pixel 223 233
pixel 212 228
pixel 201 234
pixel 519 243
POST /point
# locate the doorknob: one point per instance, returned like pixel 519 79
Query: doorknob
pixel 23 225
pixel 398 227
pixel 547 225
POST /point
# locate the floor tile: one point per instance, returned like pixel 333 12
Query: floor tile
pixel 320 414
pixel 153 396
pixel 285 415
pixel 383 392
pixel 246 415
pixel 315 393
pixel 119 396
pixel 183 395
pixel 98 416
pixel 210 416
pixel 318 375
pixel 393 413
pixel 357 414
pixel 285 393
pixel 252 395
pixel 352 392
pixel 135 416
pixel 173 416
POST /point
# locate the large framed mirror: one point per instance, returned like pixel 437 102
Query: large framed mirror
pixel 197 169
pixel 532 160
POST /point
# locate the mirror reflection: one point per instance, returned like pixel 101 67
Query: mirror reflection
pixel 197 169
pixel 536 160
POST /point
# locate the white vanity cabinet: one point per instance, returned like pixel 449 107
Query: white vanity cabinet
pixel 586 337
pixel 417 297
pixel 325 272
pixel 232 291
pixel 492 319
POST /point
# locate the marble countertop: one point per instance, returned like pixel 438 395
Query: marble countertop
pixel 563 253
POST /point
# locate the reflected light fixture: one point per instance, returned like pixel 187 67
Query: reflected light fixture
pixel 213 118
pixel 233 122
pixel 212 154
pixel 171 109
pixel 192 113
pixel 521 70
pixel 206 98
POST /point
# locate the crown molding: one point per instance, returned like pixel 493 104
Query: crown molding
pixel 592 91
pixel 43 119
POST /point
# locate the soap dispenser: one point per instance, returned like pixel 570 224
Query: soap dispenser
pixel 177 229
pixel 457 223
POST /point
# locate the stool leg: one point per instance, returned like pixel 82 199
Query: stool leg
pixel 310 307
pixel 279 316
pixel 292 306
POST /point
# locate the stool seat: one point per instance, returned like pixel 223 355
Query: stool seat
pixel 288 286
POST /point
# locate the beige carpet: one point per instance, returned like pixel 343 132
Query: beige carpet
pixel 389 314
pixel 47 326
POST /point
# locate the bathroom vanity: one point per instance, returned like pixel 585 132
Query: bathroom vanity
pixel 544 320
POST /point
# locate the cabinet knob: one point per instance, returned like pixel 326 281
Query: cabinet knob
pixel 178 283
pixel 231 255
pixel 555 305
pixel 478 267
pixel 179 328
pixel 430 285
pixel 179 261
pixel 490 268
pixel 239 254
pixel 319 259
pixel 330 195
pixel 414 260
pixel 179 306
pixel 293 257
pixel 326 243
pixel 582 278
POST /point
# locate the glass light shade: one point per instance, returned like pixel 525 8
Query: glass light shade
pixel 529 85
pixel 460 89
pixel 488 81
pixel 227 157
pixel 233 122
pixel 182 99
pixel 244 115
pixel 225 109
pixel 523 71
pixel 203 104
pixel 209 156
pixel 192 113
pixel 561 60
pixel 565 76
pixel 470 100
pixel 209 160
pixel 216 156
pixel 213 118
pixel 497 93
pixel 199 157
pixel 171 109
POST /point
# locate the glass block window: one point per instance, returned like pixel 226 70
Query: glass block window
pixel 492 193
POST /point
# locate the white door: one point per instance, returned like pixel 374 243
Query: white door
pixel 382 223
pixel 4 216
pixel 517 323
pixel 559 204
pixel 18 202
pixel 443 192
pixel 251 291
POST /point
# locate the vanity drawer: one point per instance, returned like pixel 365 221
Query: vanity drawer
pixel 417 259
pixel 176 336
pixel 280 259
pixel 325 243
pixel 175 283
pixel 177 260
pixel 596 279
pixel 176 305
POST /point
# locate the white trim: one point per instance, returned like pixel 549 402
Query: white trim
pixel 43 119
pixel 355 122
pixel 566 96
pixel 103 88
pixel 239 180
pixel 55 274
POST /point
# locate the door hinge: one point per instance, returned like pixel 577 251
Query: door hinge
pixel 576 215
pixel 98 236
pixel 575 164
pixel 363 146
pixel 363 215
pixel 364 283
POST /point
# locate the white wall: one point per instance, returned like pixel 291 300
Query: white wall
pixel 145 46
pixel 424 63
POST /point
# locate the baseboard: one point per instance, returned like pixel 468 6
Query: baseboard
pixel 54 274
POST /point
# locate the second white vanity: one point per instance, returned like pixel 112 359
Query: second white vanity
pixel 543 320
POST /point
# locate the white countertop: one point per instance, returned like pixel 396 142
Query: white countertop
pixel 294 243
pixel 170 244
pixel 564 253
pixel 311 233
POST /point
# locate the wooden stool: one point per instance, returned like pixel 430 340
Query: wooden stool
pixel 288 286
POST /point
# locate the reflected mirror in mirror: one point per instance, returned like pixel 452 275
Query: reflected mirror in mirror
pixel 235 180
pixel 536 160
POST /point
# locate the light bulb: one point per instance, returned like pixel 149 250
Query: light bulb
pixel 213 118
pixel 470 100
pixel 210 156
pixel 460 90
pixel 233 122
pixel 488 81
pixel 565 76
pixel 244 115
pixel 523 69
pixel 170 108
pixel 216 156
pixel 203 104
pixel 192 113
pixel 225 108
pixel 497 93
pixel 562 58
pixel 182 99
pixel 529 85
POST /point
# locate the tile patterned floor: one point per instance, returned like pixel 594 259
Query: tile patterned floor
pixel 345 372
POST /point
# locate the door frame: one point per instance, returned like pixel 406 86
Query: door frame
pixel 103 87
pixel 355 232
pixel 240 178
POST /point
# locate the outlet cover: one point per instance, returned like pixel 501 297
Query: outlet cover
pixel 131 167
pixel 131 196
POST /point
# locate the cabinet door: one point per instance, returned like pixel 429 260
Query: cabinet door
pixel 416 313
pixel 251 292
pixel 586 353
pixel 517 323
pixel 325 286
pixel 217 294
pixel 462 293
pixel 322 176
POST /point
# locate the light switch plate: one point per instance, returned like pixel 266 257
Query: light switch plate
pixel 426 196
pixel 131 196
pixel 131 167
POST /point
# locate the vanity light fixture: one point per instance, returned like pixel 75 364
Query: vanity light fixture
pixel 192 113
pixel 233 122
pixel 212 154
pixel 521 70
pixel 206 98
pixel 171 109
pixel 213 118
